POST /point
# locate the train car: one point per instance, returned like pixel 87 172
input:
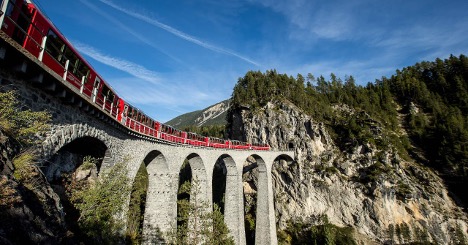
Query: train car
pixel 261 147
pixel 197 140
pixel 34 32
pixel 24 23
pixel 218 143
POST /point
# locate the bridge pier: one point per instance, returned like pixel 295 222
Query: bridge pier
pixel 233 202
pixel 265 230
pixel 74 117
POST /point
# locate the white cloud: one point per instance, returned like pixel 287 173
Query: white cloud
pixel 178 33
pixel 310 20
pixel 130 31
pixel 119 64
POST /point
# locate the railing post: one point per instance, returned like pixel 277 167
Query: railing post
pixel 94 94
pixel 104 103
pixel 66 70
pixel 43 43
pixel 82 84
pixel 3 9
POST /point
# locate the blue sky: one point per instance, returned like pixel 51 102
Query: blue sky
pixel 172 57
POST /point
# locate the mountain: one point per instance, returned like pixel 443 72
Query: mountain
pixel 385 163
pixel 212 115
pixel 370 195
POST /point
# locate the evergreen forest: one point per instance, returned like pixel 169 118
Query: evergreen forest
pixel 422 110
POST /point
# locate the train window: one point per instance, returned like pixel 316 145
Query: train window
pixel 82 70
pixel 105 91
pixel 55 46
pixel 125 112
pixel 72 59
pixel 11 6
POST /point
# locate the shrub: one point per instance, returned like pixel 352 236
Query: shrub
pixel 26 170
pixel 100 204
pixel 23 125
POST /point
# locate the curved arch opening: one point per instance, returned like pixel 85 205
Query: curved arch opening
pixel 191 201
pixel 74 166
pixel 250 174
pixel 151 218
pixel 71 156
pixel 219 181
pixel 283 173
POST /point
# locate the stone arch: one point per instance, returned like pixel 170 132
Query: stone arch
pixel 199 173
pixel 283 172
pixel 223 172
pixel 284 157
pixel 67 134
pixel 67 158
pixel 156 162
pixel 63 168
pixel 160 199
pixel 233 210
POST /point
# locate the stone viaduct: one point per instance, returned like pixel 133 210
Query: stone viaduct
pixel 76 121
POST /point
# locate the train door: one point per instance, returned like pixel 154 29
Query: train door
pixel 97 83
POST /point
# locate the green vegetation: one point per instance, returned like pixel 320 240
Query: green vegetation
pixel 433 97
pixel 25 169
pixel 23 125
pixel 9 196
pixel 89 162
pixel 211 130
pixel 325 233
pixel 136 209
pixel 99 203
pixel 196 224
pixel 250 214
pixel 361 113
pixel 436 95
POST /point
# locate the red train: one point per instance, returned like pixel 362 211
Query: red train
pixel 24 23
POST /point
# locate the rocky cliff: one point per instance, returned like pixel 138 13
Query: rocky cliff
pixel 383 196
pixel 30 210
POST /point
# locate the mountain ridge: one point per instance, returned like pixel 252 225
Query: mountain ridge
pixel 211 115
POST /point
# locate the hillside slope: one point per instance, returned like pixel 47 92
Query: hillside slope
pixel 376 193
pixel 212 115
pixel 388 160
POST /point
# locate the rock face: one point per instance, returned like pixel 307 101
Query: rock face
pixel 30 211
pixel 8 148
pixel 384 197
